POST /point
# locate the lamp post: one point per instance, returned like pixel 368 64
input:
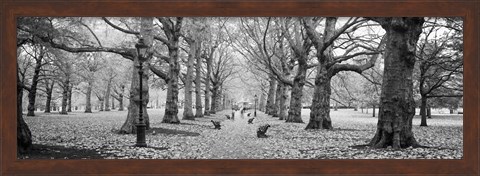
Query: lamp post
pixel 255 112
pixel 141 126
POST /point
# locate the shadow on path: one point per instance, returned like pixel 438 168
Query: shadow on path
pixel 59 152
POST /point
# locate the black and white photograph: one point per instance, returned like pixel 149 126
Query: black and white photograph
pixel 239 88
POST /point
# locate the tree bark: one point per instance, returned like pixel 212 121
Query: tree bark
pixel 282 108
pixel 24 136
pixel 32 94
pixel 373 113
pixel 107 95
pixel 101 103
pixel 207 86
pixel 270 109
pixel 198 84
pixel 113 103
pixel 214 98
pixel 423 110
pixel 295 112
pixel 278 96
pixel 261 106
pixel 187 108
pixel 397 106
pixel 171 109
pixel 88 97
pixel 320 108
pixel 66 85
pixel 217 99
pixel 429 112
pixel 49 92
pixel 69 105
pixel 128 126
pixel 120 98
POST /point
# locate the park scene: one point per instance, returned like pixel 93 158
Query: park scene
pixel 239 88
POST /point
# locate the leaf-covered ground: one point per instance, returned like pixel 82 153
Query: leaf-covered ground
pixel 92 136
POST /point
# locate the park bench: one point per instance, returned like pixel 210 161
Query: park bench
pixel 250 120
pixel 262 130
pixel 216 124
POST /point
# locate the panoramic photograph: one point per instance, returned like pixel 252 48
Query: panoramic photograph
pixel 239 88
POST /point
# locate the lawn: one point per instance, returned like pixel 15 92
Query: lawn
pixel 93 136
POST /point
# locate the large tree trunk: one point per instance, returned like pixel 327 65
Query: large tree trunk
pixel 128 126
pixel 278 95
pixel 429 112
pixel 113 103
pixel 69 105
pixel 32 94
pixel 215 96
pixel 49 92
pixel 88 96
pixel 218 99
pixel 66 86
pixel 107 95
pixel 207 86
pixel 101 103
pixel 270 109
pixel 187 108
pixel 261 106
pixel 224 101
pixel 295 112
pixel 198 84
pixel 171 109
pixel 282 108
pixel 397 106
pixel 320 109
pixel 423 110
pixel 120 98
pixel 24 136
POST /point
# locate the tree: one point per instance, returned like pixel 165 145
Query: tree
pixel 260 51
pixel 329 65
pixel 301 49
pixel 146 34
pixel 48 84
pixel 193 37
pixel 88 67
pixel 397 106
pixel 64 62
pixel 440 60
pixel 223 67
pixel 198 86
pixel 24 135
pixel 372 86
pixel 119 86
pixel 171 29
pixel 209 48
pixel 75 36
pixel 37 53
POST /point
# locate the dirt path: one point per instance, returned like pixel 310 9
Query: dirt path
pixel 231 140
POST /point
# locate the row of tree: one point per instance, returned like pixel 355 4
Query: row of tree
pixel 283 50
pixel 288 57
pixel 190 50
